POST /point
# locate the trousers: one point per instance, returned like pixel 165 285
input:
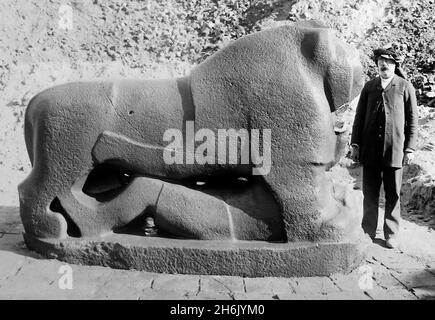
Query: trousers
pixel 373 176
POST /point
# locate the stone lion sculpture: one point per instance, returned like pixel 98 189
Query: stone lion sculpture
pixel 97 148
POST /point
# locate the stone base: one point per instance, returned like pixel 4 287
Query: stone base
pixel 241 258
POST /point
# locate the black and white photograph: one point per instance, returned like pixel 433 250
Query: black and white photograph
pixel 218 155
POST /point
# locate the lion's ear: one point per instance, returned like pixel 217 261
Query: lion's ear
pixel 343 77
pixel 314 43
pixel 309 45
pixel 337 62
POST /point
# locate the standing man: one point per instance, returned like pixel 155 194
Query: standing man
pixel 384 137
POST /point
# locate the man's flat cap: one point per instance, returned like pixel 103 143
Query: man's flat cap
pixel 387 53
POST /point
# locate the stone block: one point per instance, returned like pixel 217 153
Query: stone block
pixel 222 284
pixel 268 284
pixel 313 285
pixel 123 285
pixel 416 279
pixel 176 282
pixel 240 258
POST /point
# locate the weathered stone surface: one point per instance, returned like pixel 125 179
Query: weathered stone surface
pixel 150 294
pixel 221 82
pixel 24 285
pixel 222 284
pixel 118 285
pixel 99 166
pixel 339 295
pixel 255 296
pixel 420 194
pixel 14 244
pixel 313 284
pixel 211 295
pixel 242 258
pixel 399 261
pixel 386 280
pixel 415 279
pixel 271 285
pixel 350 295
pixel 176 282
pixel 10 264
pixel 10 220
pixel 248 213
pixel 378 293
pixel 425 292
pixel 287 79
pixel 94 282
pixel 349 282
pixel 36 278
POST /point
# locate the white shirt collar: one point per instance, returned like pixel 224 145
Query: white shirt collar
pixel 386 82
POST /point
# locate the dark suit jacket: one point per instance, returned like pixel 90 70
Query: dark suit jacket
pixel 401 121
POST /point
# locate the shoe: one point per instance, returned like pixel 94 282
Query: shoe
pixel 372 237
pixel 392 243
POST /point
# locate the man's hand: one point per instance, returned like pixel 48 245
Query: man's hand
pixel 408 158
pixel 354 153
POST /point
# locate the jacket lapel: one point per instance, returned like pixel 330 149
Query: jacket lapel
pixel 389 92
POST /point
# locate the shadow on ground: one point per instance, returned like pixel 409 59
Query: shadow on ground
pixel 11 232
pixel 10 221
pixel 422 284
pixel 380 242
